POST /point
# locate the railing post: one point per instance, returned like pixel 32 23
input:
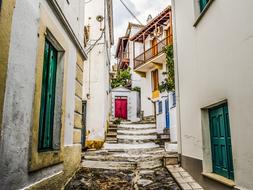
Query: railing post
pixel 134 54
pixel 144 58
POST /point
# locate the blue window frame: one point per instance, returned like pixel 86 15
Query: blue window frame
pixel 202 4
pixel 160 107
pixel 173 99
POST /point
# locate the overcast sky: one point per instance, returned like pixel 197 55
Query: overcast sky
pixel 141 8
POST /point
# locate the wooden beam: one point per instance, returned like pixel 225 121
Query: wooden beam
pixel 158 65
pixel 142 74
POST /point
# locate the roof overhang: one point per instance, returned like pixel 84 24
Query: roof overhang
pixel 159 20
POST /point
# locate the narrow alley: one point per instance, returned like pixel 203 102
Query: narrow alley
pixel 129 160
pixel 126 95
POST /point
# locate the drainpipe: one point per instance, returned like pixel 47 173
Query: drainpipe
pixel 179 131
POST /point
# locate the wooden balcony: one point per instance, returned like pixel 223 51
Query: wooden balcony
pixel 124 60
pixel 152 56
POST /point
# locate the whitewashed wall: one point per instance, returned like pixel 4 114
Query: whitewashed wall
pixel 132 98
pixel 96 74
pixel 215 63
pixel 20 90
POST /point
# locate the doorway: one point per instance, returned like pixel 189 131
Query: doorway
pixel 221 141
pixel 121 108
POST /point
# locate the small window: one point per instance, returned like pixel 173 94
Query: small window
pixel 174 99
pixel 160 107
pixel 202 4
pixel 46 122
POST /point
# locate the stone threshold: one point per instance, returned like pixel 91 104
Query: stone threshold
pixel 183 178
pixel 221 179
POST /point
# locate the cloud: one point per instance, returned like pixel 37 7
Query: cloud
pixel 141 8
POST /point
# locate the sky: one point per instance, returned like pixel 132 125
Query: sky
pixel 141 9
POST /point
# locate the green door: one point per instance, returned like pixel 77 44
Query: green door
pixel 221 141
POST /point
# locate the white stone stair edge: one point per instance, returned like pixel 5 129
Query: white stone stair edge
pixel 131 137
pixel 137 132
pixel 125 146
pixel 139 126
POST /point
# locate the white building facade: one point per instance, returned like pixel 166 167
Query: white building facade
pixel 98 15
pixel 214 91
pixel 42 57
pixel 149 62
pixel 131 98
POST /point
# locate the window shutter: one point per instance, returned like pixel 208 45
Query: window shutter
pixel 48 97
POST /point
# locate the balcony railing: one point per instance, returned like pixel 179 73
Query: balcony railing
pixel 152 52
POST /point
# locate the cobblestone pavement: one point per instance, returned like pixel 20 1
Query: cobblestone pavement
pixel 100 179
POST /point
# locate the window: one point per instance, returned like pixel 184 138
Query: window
pixel 154 47
pixel 47 104
pixel 160 107
pixel 202 4
pixel 0 4
pixel 155 80
pixel 174 99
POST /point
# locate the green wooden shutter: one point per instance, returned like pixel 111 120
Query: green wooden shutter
pixel 48 97
pixel 221 141
pixel 202 4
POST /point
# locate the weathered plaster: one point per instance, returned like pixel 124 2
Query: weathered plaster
pixel 6 14
pixel 18 112
pixel 72 159
pixel 94 144
pixel 40 160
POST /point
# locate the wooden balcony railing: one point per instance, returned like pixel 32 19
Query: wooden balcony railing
pixel 152 52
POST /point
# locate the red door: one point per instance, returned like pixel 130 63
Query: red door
pixel 121 108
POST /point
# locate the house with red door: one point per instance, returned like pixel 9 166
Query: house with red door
pixel 124 104
pixel 149 62
pixel 126 101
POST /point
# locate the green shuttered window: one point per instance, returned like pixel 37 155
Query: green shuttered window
pixel 46 122
pixel 202 4
pixel 221 141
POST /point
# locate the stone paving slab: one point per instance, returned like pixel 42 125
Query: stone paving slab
pixel 183 178
pixel 99 179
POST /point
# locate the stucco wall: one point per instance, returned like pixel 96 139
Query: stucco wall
pixel 97 73
pixel 19 97
pixel 132 99
pixel 215 63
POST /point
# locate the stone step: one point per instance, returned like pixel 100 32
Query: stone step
pixel 137 126
pixel 131 141
pixel 137 132
pixel 150 164
pixel 124 157
pixel 127 147
pixel 110 134
pixel 113 130
pixel 112 165
pixel 137 137
pixel 171 159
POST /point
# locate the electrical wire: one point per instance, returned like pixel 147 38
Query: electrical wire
pixel 95 43
pixel 130 12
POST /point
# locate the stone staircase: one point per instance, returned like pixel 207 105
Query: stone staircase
pixel 111 136
pixel 133 147
pixel 163 138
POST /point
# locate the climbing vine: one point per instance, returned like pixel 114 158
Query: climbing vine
pixel 123 78
pixel 169 83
